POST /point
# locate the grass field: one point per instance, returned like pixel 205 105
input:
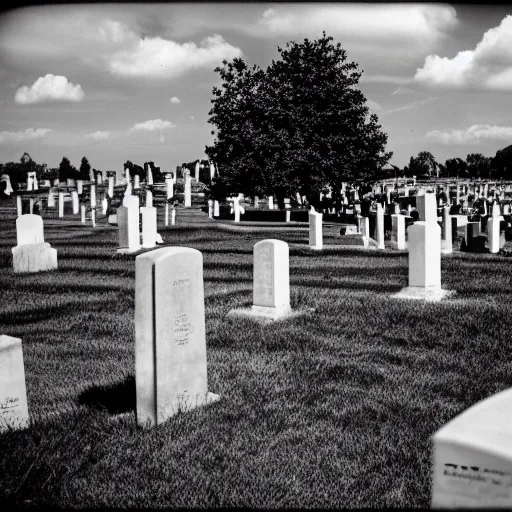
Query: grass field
pixel 330 409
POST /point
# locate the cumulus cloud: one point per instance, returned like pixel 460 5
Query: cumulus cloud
pixel 28 135
pixel 386 24
pixel 474 134
pixel 157 57
pixel 49 88
pixel 98 135
pixel 488 66
pixel 153 125
pixel 174 99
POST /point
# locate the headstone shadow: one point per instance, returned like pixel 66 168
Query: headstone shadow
pixel 116 398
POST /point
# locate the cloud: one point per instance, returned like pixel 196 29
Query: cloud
pixel 98 135
pixel 384 79
pixel 487 67
pixel 28 135
pixel 49 88
pixel 174 99
pixel 156 57
pixel 153 125
pixel 370 23
pixel 474 134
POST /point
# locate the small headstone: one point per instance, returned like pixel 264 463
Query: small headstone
pixel 13 392
pixel 128 225
pixel 170 335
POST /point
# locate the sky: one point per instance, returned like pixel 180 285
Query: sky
pixel 127 81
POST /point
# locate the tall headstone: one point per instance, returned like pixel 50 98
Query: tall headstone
pixel 424 256
pixel 128 225
pixel 74 200
pixel 169 186
pixel 472 457
pixel 427 207
pixel 13 391
pixel 446 231
pixel 110 190
pixel 80 187
pixel 170 334
pixel 212 171
pixel 149 175
pixel 315 230
pixel 61 204
pixel 149 233
pixel 270 202
pixel 149 198
pixel 215 208
pixel 188 189
pixel 210 209
pixel 379 227
pixel 104 205
pixel 173 216
pixel 196 173
pixel 398 230
pixel 51 198
pixel 493 230
pixel 237 208
pixel 19 205
pixel 136 182
pixel 82 213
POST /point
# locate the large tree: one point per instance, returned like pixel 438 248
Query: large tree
pixel 66 170
pixel 300 126
pixel 456 167
pixel 85 169
pixel 479 166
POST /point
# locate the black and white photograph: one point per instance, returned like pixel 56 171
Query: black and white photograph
pixel 255 255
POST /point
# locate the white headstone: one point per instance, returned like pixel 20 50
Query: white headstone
pixel 427 207
pixel 74 199
pixel 379 227
pixel 149 176
pixel 169 186
pixel 188 190
pixel 82 213
pixel 13 391
pixel 79 186
pixel 210 209
pixel 136 182
pixel 51 198
pixel 104 205
pixel 110 190
pixel 29 229
pixel 128 225
pixel 270 202
pixel 446 241
pixel 170 334
pixel 149 232
pixel 215 208
pixel 315 230
pixel 398 230
pixel 149 198
pixel 173 217
pixel 212 171
pixel 472 457
pixel 93 196
pixel 61 204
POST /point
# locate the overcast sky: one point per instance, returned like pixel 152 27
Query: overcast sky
pixel 117 82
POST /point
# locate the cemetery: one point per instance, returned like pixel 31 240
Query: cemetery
pixel 162 349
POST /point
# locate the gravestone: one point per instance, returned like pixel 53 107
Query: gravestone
pixel 493 230
pixel 110 190
pixel 61 204
pixel 149 175
pixel 472 457
pixel 212 171
pixel 149 233
pixel 128 225
pixel 104 205
pixel 196 174
pixel 170 335
pixel 315 230
pixel 237 209
pixel 379 227
pixel 51 199
pixel 271 283
pixel 75 202
pixel 80 187
pixel 398 231
pixel 270 202
pixel 13 392
pixel 149 198
pixel 173 217
pixel 136 182
pixel 169 186
pixel 188 189
pixel 32 254
pixel 215 208
pixel 210 209
pixel 424 240
pixel 82 213
pixel 446 232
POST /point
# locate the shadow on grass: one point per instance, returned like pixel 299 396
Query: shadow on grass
pixel 115 398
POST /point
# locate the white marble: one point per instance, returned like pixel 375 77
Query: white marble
pixel 472 457
pixel 35 257
pixel 188 190
pixel 148 215
pixel 13 392
pixel 315 230
pixel 170 334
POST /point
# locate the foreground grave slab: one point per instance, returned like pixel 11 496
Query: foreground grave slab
pixel 32 254
pixel 271 283
pixel 13 393
pixel 473 457
pixel 170 336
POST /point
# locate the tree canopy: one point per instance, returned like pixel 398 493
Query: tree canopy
pixel 300 126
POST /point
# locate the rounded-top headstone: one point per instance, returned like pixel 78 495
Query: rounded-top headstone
pixel 29 229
